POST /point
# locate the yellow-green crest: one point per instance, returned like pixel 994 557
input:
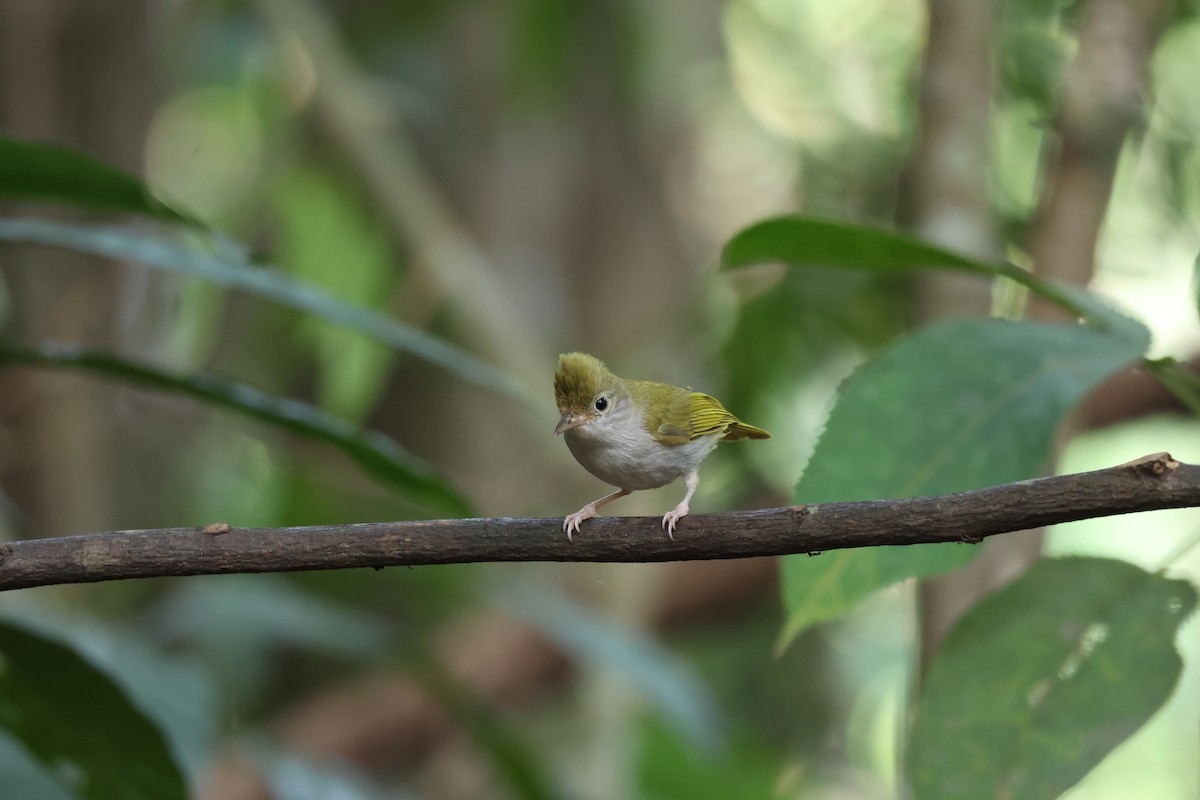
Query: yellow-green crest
pixel 578 379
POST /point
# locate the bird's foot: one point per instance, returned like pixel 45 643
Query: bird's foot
pixel 671 517
pixel 571 523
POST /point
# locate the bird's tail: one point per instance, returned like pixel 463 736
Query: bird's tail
pixel 740 430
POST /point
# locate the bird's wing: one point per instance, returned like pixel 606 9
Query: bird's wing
pixel 689 415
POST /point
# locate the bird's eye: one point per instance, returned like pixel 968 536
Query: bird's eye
pixel 601 403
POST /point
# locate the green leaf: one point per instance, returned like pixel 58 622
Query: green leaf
pixel 1040 681
pixel 34 171
pixel 227 266
pixel 958 406
pixel 810 241
pixel 78 724
pixel 238 623
pixel 378 454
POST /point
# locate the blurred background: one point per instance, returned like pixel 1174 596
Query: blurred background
pixel 525 178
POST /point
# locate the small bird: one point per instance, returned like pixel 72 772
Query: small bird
pixel 637 434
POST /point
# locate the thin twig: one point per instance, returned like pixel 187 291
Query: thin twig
pixel 1153 482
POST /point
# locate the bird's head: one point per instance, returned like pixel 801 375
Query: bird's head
pixel 584 389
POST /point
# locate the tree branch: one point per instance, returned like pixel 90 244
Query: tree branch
pixel 1150 483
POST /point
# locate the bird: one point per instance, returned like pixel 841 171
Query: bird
pixel 637 434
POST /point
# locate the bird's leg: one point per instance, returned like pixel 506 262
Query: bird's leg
pixel 571 524
pixel 693 482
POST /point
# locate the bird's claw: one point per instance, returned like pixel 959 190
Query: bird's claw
pixel 671 517
pixel 572 522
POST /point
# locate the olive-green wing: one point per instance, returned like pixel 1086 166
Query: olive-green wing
pixel 689 415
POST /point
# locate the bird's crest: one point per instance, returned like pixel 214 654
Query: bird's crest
pixel 578 379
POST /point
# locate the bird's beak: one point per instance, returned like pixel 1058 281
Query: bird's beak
pixel 569 420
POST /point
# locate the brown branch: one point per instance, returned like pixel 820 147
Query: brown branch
pixel 1153 482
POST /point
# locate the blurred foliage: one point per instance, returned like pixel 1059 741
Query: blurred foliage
pixel 669 768
pixel 545 53
pixel 295 777
pixel 516 762
pixel 226 264
pixel 662 680
pixel 33 171
pixel 591 148
pixel 376 453
pixel 320 226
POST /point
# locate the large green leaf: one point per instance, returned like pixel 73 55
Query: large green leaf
pixel 811 241
pixel 1040 681
pixel 35 171
pixel 78 724
pixel 958 406
pixel 826 242
pixel 225 265
pixel 378 454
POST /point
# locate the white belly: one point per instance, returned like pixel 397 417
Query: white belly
pixel 635 459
